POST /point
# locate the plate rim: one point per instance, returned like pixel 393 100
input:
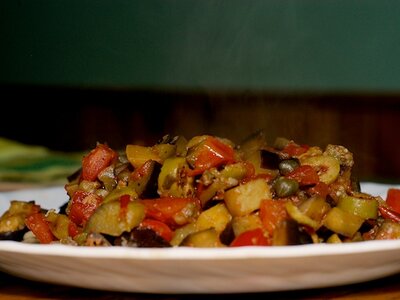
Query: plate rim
pixel 189 253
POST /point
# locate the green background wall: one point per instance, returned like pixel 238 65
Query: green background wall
pixel 261 45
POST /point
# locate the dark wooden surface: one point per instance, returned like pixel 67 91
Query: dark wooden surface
pixel 76 118
pixel 16 288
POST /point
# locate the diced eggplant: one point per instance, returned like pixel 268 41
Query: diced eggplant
pixel 246 223
pixel 74 176
pixel 270 159
pixel 227 235
pixel 16 235
pixel 216 217
pixel 289 232
pixel 342 222
pixel 12 222
pixel 63 208
pixel 247 197
pixel 203 239
pixel 114 217
pixel 144 182
pixel 141 238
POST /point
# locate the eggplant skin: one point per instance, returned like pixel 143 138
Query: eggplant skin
pixel 16 235
pixel 141 238
pixel 74 176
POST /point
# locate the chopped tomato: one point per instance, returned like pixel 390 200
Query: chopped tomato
pixel 272 212
pixel 210 153
pixel 253 237
pixel 38 224
pixel 393 199
pixel 83 206
pixel 96 161
pixel 320 189
pixel 294 149
pixel 158 227
pixel 172 211
pixel 304 175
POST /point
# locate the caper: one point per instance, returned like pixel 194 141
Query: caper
pixel 288 165
pixel 285 187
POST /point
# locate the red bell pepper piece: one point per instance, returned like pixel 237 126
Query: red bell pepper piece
pixel 83 206
pixel 387 213
pixel 211 153
pixel 172 211
pixel 304 175
pixel 253 237
pixel 272 212
pixel 294 149
pixel 320 189
pixel 73 229
pixel 96 161
pixel 393 199
pixel 38 224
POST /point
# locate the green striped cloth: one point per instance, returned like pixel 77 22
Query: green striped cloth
pixel 35 164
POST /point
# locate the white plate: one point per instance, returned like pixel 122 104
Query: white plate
pixel 189 270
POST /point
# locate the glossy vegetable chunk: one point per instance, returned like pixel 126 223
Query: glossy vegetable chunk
pixel 114 218
pixel 342 222
pixel 366 208
pixel 96 161
pixel 247 197
pixel 203 239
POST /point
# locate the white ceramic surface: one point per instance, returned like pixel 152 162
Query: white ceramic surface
pixel 189 270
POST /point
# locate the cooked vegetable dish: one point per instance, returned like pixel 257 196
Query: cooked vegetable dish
pixel 209 192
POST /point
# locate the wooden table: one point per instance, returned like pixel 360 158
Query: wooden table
pixel 16 288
